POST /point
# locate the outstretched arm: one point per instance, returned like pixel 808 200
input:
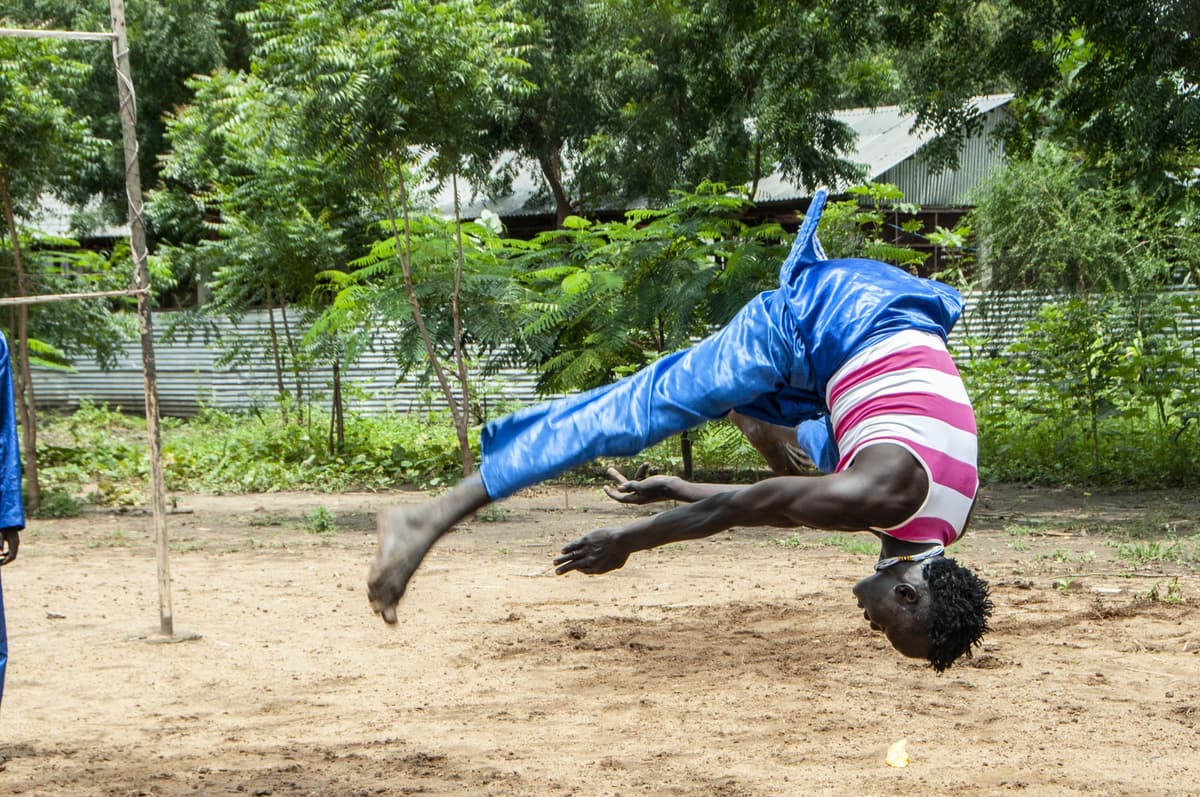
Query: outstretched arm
pixel 883 487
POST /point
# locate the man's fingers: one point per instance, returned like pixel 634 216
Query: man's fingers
pixel 642 472
pixel 621 493
pixel 566 567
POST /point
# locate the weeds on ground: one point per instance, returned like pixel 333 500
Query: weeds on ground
pixel 114 539
pixel 320 521
pixel 1171 593
pixel 1141 553
pixel 492 513
pixel 856 544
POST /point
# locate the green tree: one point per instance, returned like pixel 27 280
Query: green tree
pixel 42 144
pixel 632 100
pixel 267 216
pixel 382 87
pixel 749 88
pixel 373 295
pixel 169 43
pixel 1108 344
pixel 1115 82
pixel 1050 223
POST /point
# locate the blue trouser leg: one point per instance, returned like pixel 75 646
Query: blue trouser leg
pixel 751 357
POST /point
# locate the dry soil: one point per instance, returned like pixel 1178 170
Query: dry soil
pixel 735 666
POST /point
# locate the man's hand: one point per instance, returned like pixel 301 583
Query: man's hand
pixel 643 488
pixel 9 543
pixel 598 551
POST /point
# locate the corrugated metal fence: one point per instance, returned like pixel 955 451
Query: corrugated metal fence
pixel 192 374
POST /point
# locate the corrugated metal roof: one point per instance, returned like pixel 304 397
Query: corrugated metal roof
pixel 54 217
pixel 979 157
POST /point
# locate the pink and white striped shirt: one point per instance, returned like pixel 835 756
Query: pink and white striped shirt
pixel 906 390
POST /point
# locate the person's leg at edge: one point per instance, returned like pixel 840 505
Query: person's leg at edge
pixel 3 646
pixel 407 533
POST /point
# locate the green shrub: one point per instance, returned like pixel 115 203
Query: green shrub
pixel 321 521
pixel 259 452
pixel 59 504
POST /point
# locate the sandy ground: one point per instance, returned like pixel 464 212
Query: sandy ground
pixel 734 666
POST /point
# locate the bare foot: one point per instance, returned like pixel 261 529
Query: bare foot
pixel 405 536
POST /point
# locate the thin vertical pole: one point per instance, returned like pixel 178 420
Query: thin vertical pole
pixel 137 241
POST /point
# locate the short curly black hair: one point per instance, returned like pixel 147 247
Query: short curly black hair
pixel 959 608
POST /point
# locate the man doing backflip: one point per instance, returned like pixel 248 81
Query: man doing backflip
pixel 852 355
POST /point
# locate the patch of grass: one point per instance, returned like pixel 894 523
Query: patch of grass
pixel 1057 555
pixel 266 450
pixel 114 539
pixel 187 546
pixel 320 521
pixel 1151 552
pixel 1019 536
pixel 265 520
pixel 1034 442
pixel 96 446
pixel 796 540
pixel 258 543
pixel 492 513
pixel 1144 527
pixel 856 544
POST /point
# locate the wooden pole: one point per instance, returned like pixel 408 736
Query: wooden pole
pixel 69 35
pixel 137 241
pixel 47 298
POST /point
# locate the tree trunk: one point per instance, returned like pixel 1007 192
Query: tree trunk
pixel 461 426
pixel 26 409
pixel 276 356
pixel 404 254
pixel 337 419
pixel 757 170
pixel 551 163
pixel 685 448
pixel 293 354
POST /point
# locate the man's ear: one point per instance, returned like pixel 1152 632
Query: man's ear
pixel 907 593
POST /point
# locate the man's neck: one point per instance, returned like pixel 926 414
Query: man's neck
pixel 890 546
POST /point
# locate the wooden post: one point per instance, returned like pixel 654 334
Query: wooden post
pixel 137 241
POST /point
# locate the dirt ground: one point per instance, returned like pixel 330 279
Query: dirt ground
pixel 736 666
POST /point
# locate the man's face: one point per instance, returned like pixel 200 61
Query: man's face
pixel 896 602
